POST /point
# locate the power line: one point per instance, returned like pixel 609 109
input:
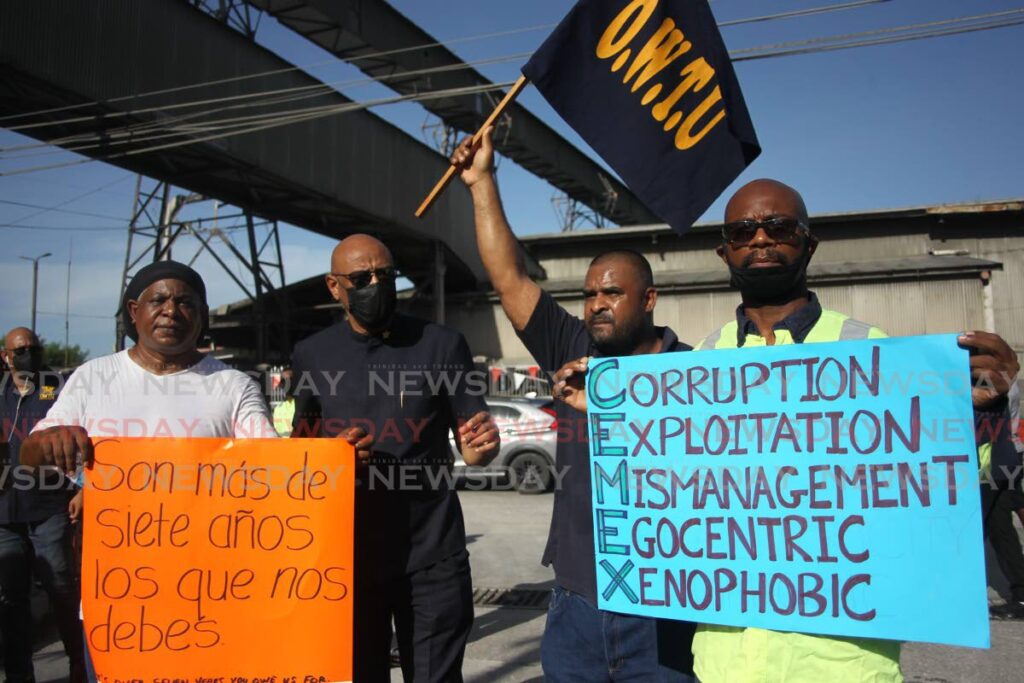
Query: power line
pixel 243 125
pixel 279 120
pixel 148 131
pixel 880 31
pixel 15 226
pixel 319 112
pixel 137 131
pixel 929 29
pixel 161 130
pixel 76 198
pixel 885 40
pixel 801 12
pixel 274 72
pixel 57 210
pixel 377 55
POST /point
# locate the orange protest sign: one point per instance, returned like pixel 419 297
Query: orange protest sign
pixel 219 559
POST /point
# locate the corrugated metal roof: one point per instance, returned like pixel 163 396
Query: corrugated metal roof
pixel 333 175
pixel 928 266
pixel 360 28
pixel 944 210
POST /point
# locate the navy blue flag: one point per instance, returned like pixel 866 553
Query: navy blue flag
pixel 650 86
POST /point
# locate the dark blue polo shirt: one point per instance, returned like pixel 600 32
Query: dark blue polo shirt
pixel 799 323
pixel 554 337
pixel 409 387
pixel 27 496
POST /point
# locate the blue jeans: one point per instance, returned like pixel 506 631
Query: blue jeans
pixel 586 645
pixel 42 548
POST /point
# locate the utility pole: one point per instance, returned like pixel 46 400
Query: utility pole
pixel 35 282
pixel 67 306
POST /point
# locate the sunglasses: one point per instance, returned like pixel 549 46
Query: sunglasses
pixel 779 229
pixel 363 278
pixel 22 350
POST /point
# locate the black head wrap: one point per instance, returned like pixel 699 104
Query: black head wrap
pixel 154 272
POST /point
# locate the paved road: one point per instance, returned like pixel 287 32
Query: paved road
pixel 506 537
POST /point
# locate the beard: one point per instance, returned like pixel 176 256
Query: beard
pixel 614 340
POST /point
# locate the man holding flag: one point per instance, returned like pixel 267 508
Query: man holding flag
pixel 581 642
pixel 649 85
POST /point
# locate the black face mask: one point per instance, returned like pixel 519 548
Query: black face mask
pixel 374 305
pixel 775 284
pixel 30 362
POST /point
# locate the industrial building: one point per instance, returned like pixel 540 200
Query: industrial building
pixel 920 270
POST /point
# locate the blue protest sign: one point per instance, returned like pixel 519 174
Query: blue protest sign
pixel 820 488
pixel 650 86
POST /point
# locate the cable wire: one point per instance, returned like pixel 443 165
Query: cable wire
pixel 424 46
pixel 15 226
pixel 243 125
pixel 58 210
pixel 163 130
pixel 143 131
pixel 76 198
pixel 801 12
pixel 882 41
pixel 281 120
pixel 274 72
pixel 880 31
pixel 319 88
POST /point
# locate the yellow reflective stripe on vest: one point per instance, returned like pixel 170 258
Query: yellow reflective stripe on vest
pixel 831 326
pixel 984 460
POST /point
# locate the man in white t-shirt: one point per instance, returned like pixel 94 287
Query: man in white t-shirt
pixel 161 387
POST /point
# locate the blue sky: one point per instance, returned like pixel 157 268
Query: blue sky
pixel 932 121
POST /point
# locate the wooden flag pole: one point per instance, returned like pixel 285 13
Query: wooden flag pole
pixel 510 97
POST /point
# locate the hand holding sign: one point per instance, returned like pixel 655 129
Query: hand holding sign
pixel 570 384
pixel 994 367
pixel 59 447
pixel 360 440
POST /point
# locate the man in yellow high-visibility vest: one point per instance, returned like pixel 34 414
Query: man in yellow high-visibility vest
pixel 767 244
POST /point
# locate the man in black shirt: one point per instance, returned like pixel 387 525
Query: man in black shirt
pixel 35 531
pixel 409 384
pixel 581 643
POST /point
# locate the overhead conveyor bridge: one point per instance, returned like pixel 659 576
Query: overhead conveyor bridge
pixel 334 175
pixel 374 36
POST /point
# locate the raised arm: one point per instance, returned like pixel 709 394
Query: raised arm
pixel 498 247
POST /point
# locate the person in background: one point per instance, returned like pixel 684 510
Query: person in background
pixel 1000 504
pixel 35 531
pixel 284 413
